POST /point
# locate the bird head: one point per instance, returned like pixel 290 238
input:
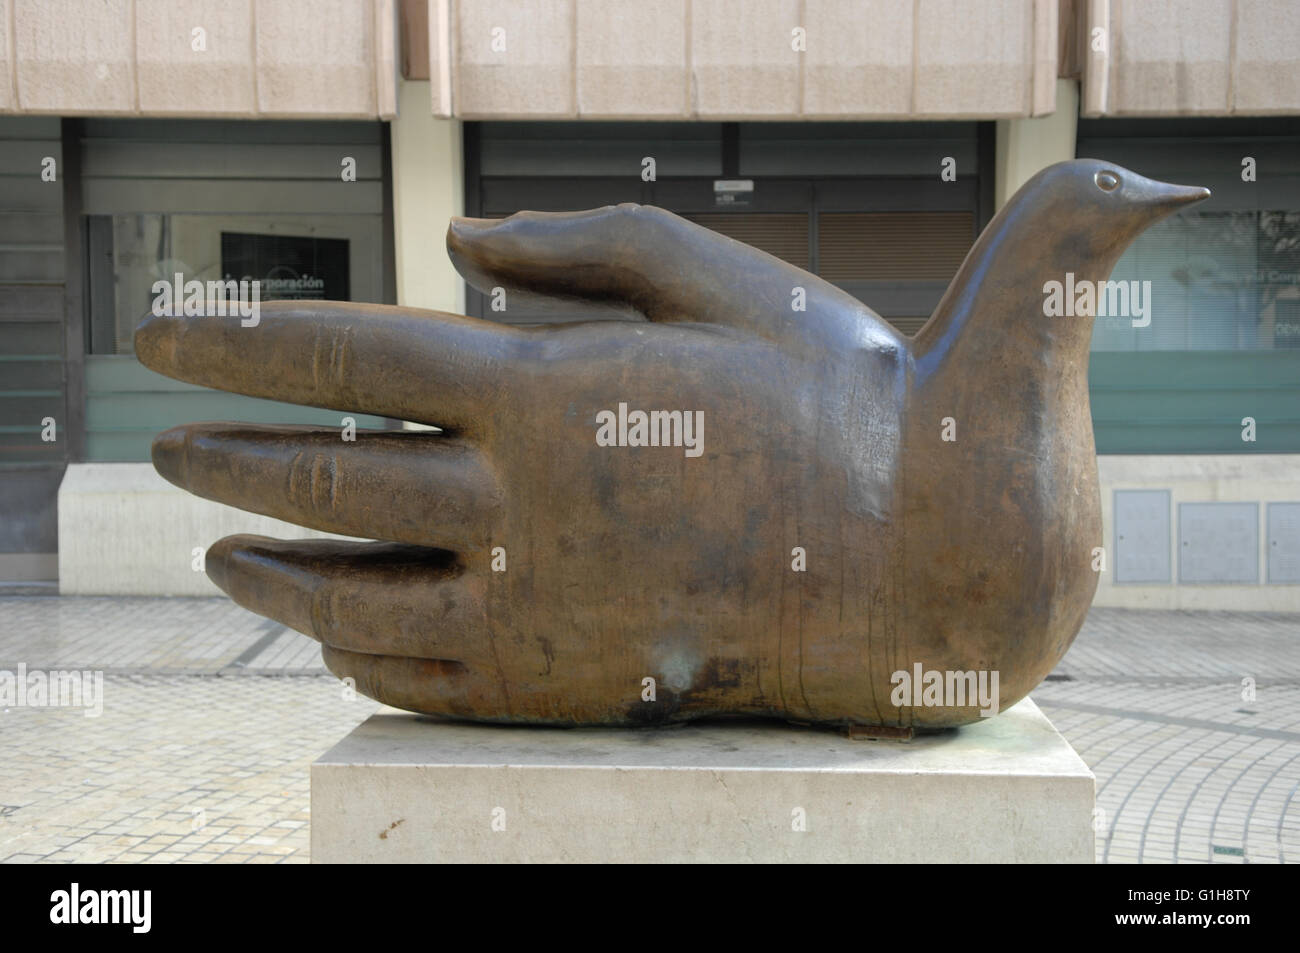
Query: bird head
pixel 1075 217
pixel 1086 212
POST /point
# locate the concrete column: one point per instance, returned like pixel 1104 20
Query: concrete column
pixel 428 189
pixel 1024 146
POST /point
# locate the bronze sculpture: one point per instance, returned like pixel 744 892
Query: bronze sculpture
pixel 861 504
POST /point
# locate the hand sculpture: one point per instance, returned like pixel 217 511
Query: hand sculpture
pixel 790 531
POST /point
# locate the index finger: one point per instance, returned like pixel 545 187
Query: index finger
pixel 425 366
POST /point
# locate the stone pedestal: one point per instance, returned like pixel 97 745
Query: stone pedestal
pixel 404 789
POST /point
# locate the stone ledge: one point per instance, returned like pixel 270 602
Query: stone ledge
pixel 405 789
pixel 125 531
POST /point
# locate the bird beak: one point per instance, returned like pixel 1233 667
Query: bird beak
pixel 1175 196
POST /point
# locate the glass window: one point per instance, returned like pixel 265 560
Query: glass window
pixel 1219 281
pixel 330 257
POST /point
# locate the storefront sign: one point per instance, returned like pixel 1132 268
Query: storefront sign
pixel 288 266
pixel 733 193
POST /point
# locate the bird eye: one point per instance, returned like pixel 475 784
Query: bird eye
pixel 1107 181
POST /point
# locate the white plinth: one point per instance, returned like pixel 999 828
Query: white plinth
pixel 408 790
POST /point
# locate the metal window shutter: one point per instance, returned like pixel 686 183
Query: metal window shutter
pixel 898 263
pixel 893 246
pixel 31 292
pixel 149 165
pixel 783 234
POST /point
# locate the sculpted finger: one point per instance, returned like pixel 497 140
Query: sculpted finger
pixel 373 598
pixel 666 267
pixel 428 686
pixel 426 366
pixel 408 487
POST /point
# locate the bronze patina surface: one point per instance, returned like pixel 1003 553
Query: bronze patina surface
pixel 823 435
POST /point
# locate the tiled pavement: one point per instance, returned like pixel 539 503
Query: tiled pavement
pixel 212 716
pixel 155 636
pixel 177 768
pixel 1190 767
pixel 194 758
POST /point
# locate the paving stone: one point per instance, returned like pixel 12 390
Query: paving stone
pixel 194 761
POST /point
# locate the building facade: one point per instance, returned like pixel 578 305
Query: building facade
pixel 320 146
